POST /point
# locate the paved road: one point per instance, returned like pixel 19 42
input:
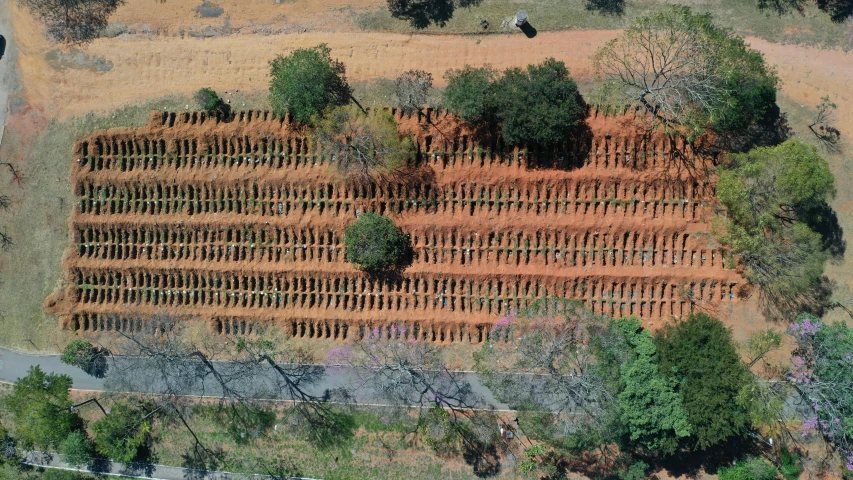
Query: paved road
pixel 142 470
pixel 14 365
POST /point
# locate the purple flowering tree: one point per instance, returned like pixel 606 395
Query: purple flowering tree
pixel 822 375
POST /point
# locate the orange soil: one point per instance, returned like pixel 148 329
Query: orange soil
pixel 620 229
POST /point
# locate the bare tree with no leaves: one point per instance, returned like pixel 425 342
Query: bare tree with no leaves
pixel 411 89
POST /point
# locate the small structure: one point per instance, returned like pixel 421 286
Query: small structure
pixel 520 18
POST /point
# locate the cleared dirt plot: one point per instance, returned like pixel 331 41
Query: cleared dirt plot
pixel 240 224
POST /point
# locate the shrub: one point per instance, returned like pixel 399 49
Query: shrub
pixel 207 99
pixel 76 449
pixel 374 243
pixel 306 82
pixel 363 146
pixel 121 434
pixel 73 21
pixel 208 9
pixel 750 468
pixel 465 95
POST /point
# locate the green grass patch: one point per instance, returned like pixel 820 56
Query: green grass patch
pixel 376 451
pixel 811 27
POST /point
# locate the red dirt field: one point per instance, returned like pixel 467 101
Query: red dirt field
pixel 238 223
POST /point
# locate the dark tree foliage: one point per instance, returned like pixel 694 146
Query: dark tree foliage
pixel 374 243
pixel 838 10
pixel 207 99
pixel 465 95
pixel 607 7
pixel 40 406
pixel 73 21
pixel 700 356
pixel 306 82
pixel 423 13
pixel 537 106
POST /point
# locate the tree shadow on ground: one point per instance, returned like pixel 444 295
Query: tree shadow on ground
pixel 692 464
pixel 783 308
pixel 606 7
pixel 483 459
pixel 768 133
pixel 823 220
pixel 99 366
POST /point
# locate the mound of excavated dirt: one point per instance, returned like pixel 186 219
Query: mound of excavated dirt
pixel 239 223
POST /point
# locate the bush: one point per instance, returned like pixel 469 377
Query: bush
pixel 307 82
pixel 120 435
pixel 209 10
pixel 76 449
pixel 72 22
pixel 208 100
pixel 374 243
pixel 363 146
pixel 750 468
pixel 465 95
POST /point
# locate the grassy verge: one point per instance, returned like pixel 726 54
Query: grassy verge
pixel 37 219
pixel 376 451
pixel 811 27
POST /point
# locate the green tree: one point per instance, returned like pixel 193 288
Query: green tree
pixel 306 82
pixel 688 73
pixel 363 146
pixel 466 91
pixel 537 106
pixel 79 353
pixel 649 406
pixel 374 243
pixel 76 449
pixel 208 100
pixel 40 406
pixel 750 468
pixel 120 435
pixel 771 195
pixel 699 355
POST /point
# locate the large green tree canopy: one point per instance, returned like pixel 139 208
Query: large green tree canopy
pixel 306 82
pixel 539 105
pixel 700 356
pixel 776 201
pixel 40 405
